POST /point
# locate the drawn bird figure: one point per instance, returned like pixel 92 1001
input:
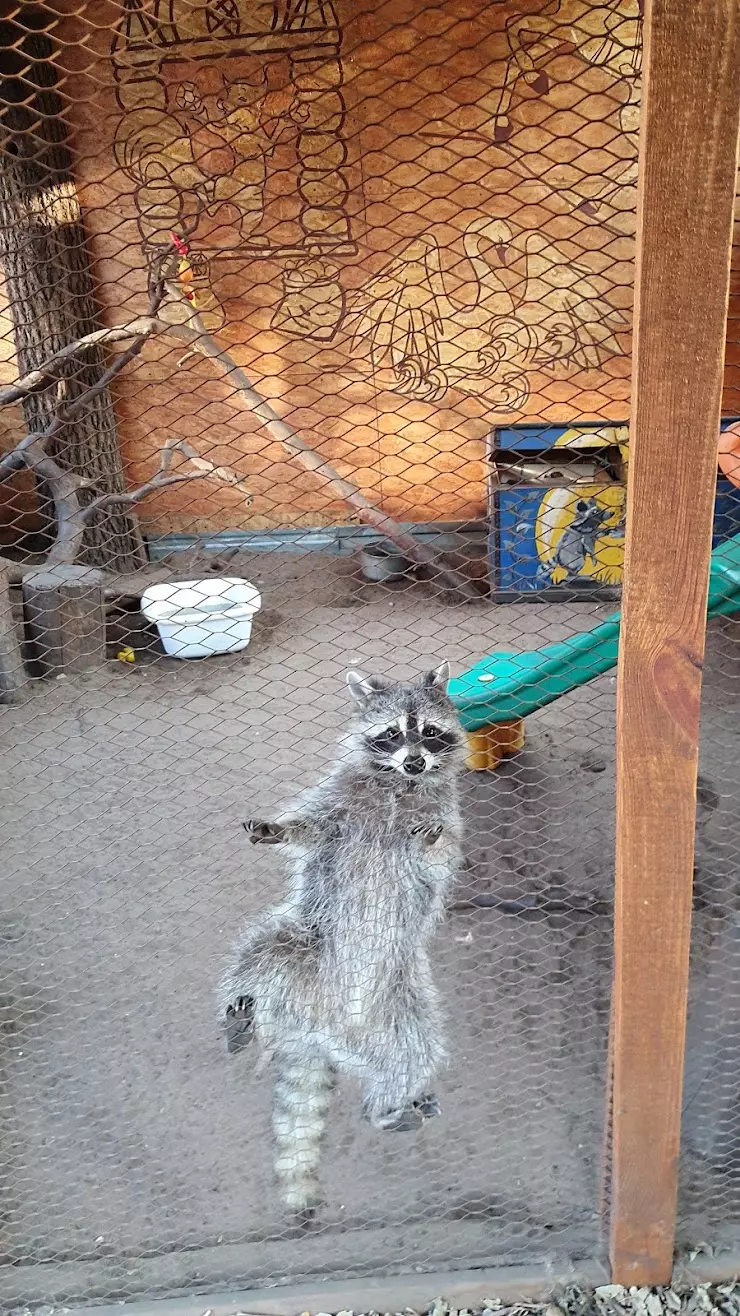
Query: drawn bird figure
pixel 398 312
pixel 408 318
pixel 532 308
pixel 571 323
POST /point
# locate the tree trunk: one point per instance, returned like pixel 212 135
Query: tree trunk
pixel 50 292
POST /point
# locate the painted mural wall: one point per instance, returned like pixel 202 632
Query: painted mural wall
pixel 410 222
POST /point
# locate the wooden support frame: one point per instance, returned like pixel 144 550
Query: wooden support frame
pixel 688 161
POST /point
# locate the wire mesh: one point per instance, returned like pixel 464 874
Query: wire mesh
pixel 372 265
pixel 709 1204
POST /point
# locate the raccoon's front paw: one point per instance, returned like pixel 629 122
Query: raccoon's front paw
pixel 264 833
pixel 239 1024
pixel 429 835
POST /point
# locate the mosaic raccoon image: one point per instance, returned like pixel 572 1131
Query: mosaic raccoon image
pixel 337 978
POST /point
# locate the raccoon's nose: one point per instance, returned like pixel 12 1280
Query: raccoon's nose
pixel 414 766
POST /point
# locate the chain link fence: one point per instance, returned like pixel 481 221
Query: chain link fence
pixel 319 311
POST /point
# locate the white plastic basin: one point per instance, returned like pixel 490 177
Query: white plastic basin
pixel 197 618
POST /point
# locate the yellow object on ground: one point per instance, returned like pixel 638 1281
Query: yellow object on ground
pixel 490 744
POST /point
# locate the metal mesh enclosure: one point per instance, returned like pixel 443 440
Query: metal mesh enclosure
pixel 709 1180
pixel 709 1205
pixel 370 268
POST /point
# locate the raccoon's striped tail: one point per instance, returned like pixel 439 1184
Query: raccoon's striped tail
pixel 303 1087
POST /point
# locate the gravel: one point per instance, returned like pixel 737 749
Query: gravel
pixel 606 1300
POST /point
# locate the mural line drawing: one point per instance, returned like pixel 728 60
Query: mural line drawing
pixel 208 93
pixel 532 307
pixel 606 35
pixel 233 126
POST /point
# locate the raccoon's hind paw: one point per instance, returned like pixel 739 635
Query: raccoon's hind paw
pixel 409 1118
pixel 305 1220
pixel 427 1106
pixel 264 833
pixel 430 835
pixel 239 1024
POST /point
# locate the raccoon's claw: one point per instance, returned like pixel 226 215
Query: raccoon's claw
pixel 305 1219
pixel 410 1117
pixel 239 1024
pixel 400 1121
pixel 430 834
pixel 264 833
pixel 427 1106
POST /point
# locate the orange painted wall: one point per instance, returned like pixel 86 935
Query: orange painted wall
pixel 412 222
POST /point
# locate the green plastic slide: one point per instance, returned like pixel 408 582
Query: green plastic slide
pixel 508 685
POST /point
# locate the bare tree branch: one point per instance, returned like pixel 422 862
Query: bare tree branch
pixel 161 269
pixel 65 486
pixel 30 451
pixel 35 379
pixel 72 517
pixel 162 478
pixel 157 291
pixel 136 495
pixel 197 334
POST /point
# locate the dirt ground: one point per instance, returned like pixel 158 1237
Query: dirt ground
pixel 136 1153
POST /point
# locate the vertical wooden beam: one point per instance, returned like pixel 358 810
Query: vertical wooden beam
pixel 691 114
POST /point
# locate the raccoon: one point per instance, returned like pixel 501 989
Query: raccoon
pixel 579 540
pixel 337 978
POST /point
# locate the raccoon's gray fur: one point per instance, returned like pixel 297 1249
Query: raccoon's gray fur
pixel 337 978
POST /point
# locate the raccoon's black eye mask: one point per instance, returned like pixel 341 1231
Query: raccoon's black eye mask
pixel 432 738
pixel 438 741
pixel 387 741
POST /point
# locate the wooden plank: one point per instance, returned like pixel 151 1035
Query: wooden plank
pixel 691 113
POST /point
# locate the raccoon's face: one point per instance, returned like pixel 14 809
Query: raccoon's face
pixel 409 729
pixel 589 516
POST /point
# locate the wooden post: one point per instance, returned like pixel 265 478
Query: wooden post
pixel 12 672
pixel 65 618
pixel 690 119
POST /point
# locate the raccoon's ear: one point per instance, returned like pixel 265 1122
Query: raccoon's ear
pixel 363 688
pixel 438 677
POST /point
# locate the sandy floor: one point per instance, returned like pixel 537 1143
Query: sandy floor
pixel 136 1152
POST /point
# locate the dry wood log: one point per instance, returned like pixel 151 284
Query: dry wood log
pixel 197 335
pixel 64 613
